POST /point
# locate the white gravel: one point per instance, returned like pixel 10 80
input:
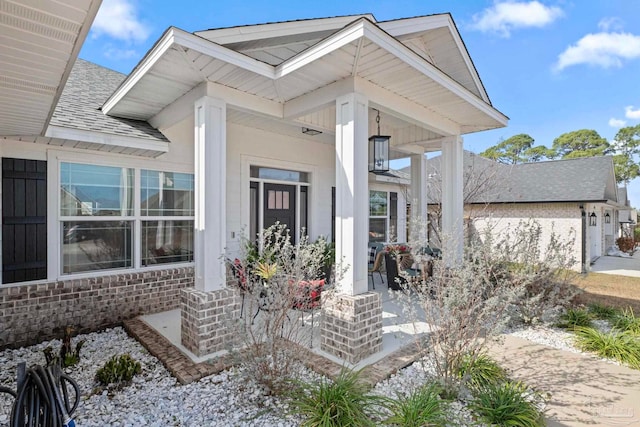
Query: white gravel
pixel 156 399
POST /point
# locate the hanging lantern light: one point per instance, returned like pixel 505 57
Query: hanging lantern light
pixel 593 219
pixel 379 151
pixel 607 218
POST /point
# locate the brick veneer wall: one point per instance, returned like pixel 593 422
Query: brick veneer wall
pixel 33 313
pixel 351 328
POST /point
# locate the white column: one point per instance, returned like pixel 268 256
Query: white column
pixel 210 193
pixel 352 192
pixel 419 197
pixel 452 199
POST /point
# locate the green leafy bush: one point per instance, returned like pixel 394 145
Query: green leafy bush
pixel 623 346
pixel 508 404
pixel 480 371
pixel 119 370
pixel 343 402
pixel 574 317
pixel 627 321
pixel 601 311
pixel 422 408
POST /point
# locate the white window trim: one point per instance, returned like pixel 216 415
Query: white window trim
pixel 386 217
pixel 54 219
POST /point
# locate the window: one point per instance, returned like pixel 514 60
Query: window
pixel 96 206
pixel 378 216
pixel 100 223
pixel 167 210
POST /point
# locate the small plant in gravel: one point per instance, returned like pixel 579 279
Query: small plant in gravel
pixel 623 346
pixel 626 320
pixel 574 317
pixel 67 355
pixel 480 371
pixel 421 408
pixel 509 403
pixel 118 371
pixel 603 312
pixel 340 403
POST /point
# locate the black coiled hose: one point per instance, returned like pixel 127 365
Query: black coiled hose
pixel 42 399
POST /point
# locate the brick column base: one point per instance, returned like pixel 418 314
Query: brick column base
pixel 352 325
pixel 206 319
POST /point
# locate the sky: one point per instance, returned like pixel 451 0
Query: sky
pixel 551 66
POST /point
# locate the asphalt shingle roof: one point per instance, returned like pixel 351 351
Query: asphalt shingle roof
pixel 568 180
pixel 88 87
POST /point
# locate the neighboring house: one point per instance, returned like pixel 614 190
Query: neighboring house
pixel 573 196
pixel 141 184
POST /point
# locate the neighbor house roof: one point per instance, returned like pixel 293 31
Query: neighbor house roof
pixel 587 179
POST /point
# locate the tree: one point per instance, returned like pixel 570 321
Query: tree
pixel 538 153
pixel 511 150
pixel 581 143
pixel 627 146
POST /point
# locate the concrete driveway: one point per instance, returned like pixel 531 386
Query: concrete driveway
pixel 618 265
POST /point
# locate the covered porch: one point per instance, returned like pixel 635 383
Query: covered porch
pixel 282 97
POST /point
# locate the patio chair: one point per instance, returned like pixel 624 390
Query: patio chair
pixel 376 254
pixel 308 299
pixel 240 279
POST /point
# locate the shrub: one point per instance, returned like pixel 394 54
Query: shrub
pixel 626 244
pixel 118 371
pixel 422 408
pixel 627 321
pixel 621 346
pixel 276 276
pixel 67 356
pixel 481 371
pixel 574 317
pixel 601 311
pixel 343 402
pixel 508 404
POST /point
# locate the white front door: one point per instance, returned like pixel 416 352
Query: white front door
pixel 595 237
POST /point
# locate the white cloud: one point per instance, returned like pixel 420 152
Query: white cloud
pixel 118 19
pixel 632 114
pixel 118 54
pixel 610 24
pixel 616 123
pixel 505 16
pixel 601 49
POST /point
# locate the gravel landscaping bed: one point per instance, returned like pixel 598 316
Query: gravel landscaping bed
pixel 155 398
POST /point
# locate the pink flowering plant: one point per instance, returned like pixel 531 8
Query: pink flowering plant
pixel 397 249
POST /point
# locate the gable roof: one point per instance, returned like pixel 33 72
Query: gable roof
pixel 359 57
pixel 587 179
pixel 79 108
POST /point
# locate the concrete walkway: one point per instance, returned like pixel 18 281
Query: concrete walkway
pixel 584 391
pixel 618 265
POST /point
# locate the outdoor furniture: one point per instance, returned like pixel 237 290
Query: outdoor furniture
pixel 308 298
pixel 375 261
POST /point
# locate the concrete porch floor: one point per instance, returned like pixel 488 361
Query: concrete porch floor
pixel 397 330
pixel 618 265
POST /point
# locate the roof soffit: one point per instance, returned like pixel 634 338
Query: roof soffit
pixel 335 52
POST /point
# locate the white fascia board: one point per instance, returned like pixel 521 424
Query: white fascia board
pixel 151 58
pixel 279 29
pixel 176 36
pixel 342 38
pixel 107 139
pixel 408 56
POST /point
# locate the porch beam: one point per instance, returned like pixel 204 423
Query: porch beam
pixel 210 193
pixel 352 195
pixel 452 200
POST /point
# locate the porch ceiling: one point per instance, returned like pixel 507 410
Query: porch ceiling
pixel 361 54
pixel 40 41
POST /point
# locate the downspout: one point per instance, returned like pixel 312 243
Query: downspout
pixel 584 239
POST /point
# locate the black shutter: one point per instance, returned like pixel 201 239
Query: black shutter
pixel 24 220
